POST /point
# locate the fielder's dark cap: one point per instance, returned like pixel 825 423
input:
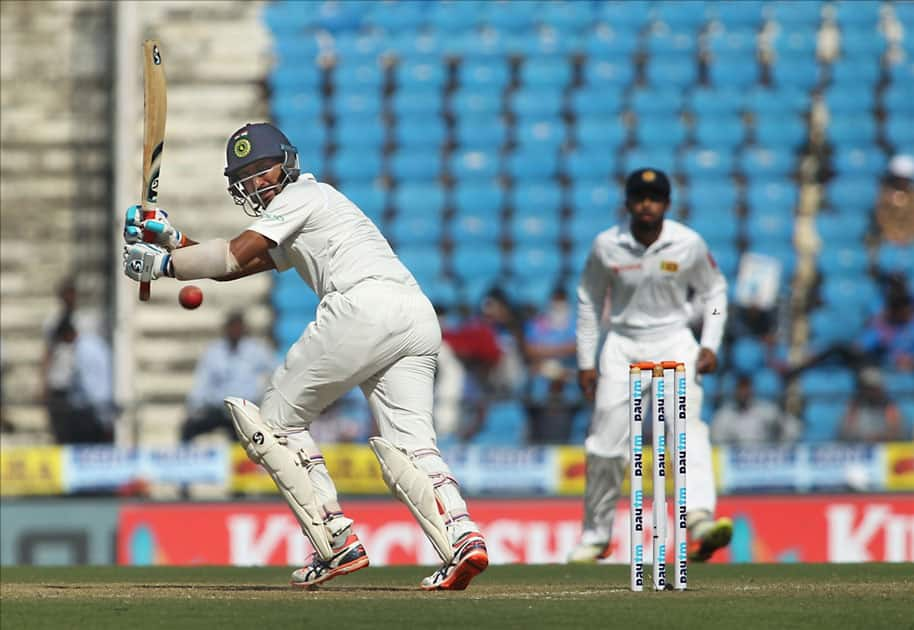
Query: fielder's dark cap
pixel 255 141
pixel 647 181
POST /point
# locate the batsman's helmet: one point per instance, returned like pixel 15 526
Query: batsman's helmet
pixel 252 143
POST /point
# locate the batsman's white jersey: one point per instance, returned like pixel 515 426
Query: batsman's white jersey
pixel 647 289
pixel 373 328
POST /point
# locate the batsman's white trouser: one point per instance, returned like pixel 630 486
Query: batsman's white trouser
pixel 609 435
pixel 383 337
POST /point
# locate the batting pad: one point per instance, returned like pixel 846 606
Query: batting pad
pixel 414 488
pixel 291 479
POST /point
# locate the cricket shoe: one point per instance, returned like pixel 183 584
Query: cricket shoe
pixel 709 537
pixel 470 559
pixel 589 553
pixel 348 557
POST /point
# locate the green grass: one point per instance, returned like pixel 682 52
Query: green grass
pixel 735 597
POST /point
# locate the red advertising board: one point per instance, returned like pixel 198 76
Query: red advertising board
pixel 850 528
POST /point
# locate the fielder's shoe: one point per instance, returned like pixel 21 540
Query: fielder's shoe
pixel 589 553
pixel 348 557
pixel 708 537
pixel 470 559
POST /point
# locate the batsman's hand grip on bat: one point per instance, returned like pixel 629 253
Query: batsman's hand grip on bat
pixel 146 261
pixel 162 231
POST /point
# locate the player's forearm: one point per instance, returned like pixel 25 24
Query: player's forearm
pixel 715 317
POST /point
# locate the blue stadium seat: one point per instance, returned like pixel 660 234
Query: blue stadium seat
pixel 772 197
pixel 423 260
pixel 545 134
pixel 825 382
pixel 357 104
pixel 649 157
pixel 589 163
pixel 625 16
pixel 311 139
pixel 720 226
pixel 767 384
pixel 896 259
pixel 720 132
pixel 704 101
pixel 417 102
pixel 292 104
pixel 734 72
pixel 441 290
pixel 708 197
pixel 857 15
pixel 535 260
pixel 902 72
pixel 660 131
pixel 537 101
pixel 363 74
pixel 510 16
pixel 411 164
pixel 851 129
pixel 767 162
pixel 599 133
pixel 647 101
pixel 412 74
pixel 491 75
pixel 545 72
pixel 747 354
pixel 794 44
pixel 740 16
pixel 852 193
pixel 355 164
pixel 780 249
pixel 583 227
pixel 481 132
pixel 823 420
pixel 476 102
pixel 847 229
pixel 768 225
pixel 424 45
pixel 535 197
pixel 733 42
pixel 898 384
pixel 857 73
pixel 849 98
pixel 289 294
pixel 454 16
pixel 478 195
pixel 862 160
pixel 595 198
pixel 535 228
pixel 352 133
pixel 862 44
pixel 899 98
pixel 778 130
pixel 726 255
pixel 420 132
pixel 475 259
pixel 602 72
pixel 828 326
pixel 566 17
pixel 800 72
pixel 286 22
pixel 412 198
pixel 300 52
pixel 847 293
pixel 611 43
pixel 353 45
pixel 474 163
pixel 899 131
pixel 702 163
pixel 777 102
pixel 663 41
pixel 532 163
pixel 506 424
pixel 676 71
pixel 288 327
pixel 595 101
pixel 531 291
pixel 843 259
pixel 681 16
pixel 476 225
pixel 416 229
pixel 371 199
pixel 409 15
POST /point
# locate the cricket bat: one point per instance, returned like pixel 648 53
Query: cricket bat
pixel 154 107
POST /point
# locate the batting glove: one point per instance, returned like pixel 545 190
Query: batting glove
pixel 145 261
pixel 165 233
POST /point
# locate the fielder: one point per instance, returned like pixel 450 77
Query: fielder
pixel 374 328
pixel 645 267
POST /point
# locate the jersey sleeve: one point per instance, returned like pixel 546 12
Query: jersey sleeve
pixel 591 296
pixel 289 212
pixel 711 289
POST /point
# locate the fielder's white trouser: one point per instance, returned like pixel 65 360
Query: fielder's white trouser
pixel 609 432
pixel 380 336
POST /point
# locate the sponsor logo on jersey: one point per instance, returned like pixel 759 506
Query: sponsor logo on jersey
pixel 669 265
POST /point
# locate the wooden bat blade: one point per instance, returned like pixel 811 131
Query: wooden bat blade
pixel 155 105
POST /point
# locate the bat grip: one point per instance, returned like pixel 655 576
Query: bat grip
pixel 148 237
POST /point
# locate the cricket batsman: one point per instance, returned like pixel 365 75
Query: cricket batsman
pixel 645 267
pixel 374 328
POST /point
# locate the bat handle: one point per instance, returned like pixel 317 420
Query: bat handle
pixel 148 237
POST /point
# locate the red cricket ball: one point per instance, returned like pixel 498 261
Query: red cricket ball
pixel 190 297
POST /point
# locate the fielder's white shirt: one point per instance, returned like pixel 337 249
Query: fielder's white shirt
pixel 328 240
pixel 648 287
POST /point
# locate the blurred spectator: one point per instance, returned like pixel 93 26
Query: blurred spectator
pixel 5 425
pixel 347 419
pixel 871 416
pixel 77 386
pixel 85 320
pixel 748 421
pixel 888 338
pixel 549 337
pixel 550 417
pixel 450 380
pixel 236 365
pixel 895 204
